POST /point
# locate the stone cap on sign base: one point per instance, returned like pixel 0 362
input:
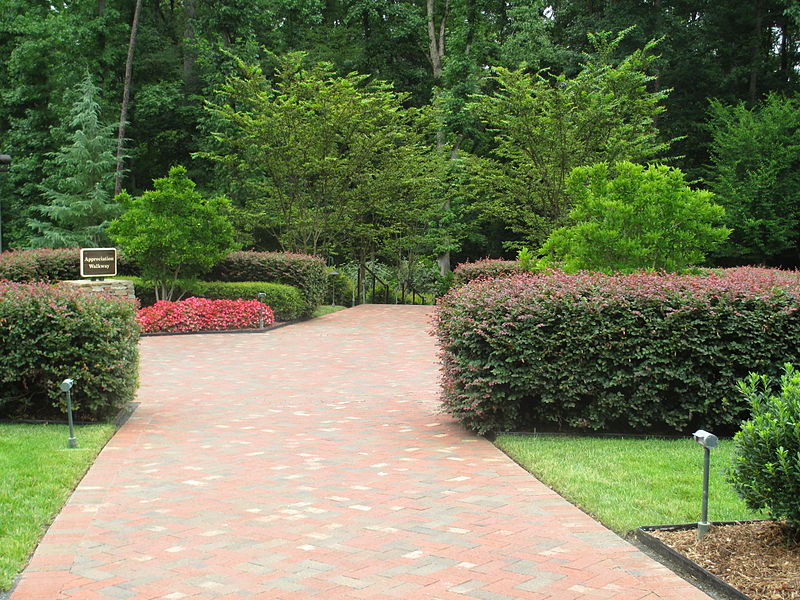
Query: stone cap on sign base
pixel 119 288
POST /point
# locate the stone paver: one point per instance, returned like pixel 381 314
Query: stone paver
pixel 311 462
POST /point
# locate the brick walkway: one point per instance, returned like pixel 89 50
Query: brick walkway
pixel 311 461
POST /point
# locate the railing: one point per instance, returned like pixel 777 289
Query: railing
pixel 401 291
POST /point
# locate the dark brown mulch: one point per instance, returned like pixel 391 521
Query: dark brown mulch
pixel 755 558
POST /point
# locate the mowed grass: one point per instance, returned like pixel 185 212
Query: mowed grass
pixel 626 483
pixel 37 474
pixel 327 309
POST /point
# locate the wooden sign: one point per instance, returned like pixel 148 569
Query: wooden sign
pixel 98 262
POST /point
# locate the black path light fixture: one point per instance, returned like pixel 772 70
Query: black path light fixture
pixel 66 386
pixel 261 296
pixel 5 164
pixel 707 441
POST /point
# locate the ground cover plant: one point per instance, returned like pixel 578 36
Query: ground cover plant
pixel 39 473
pixel 626 483
pixel 202 314
pixel 49 333
pixel 618 353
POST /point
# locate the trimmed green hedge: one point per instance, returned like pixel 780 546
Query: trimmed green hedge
pixel 50 265
pixel 641 352
pixel 303 271
pixel 485 269
pixel 49 333
pixel 284 300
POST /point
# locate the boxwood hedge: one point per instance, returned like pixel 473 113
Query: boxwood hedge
pixel 642 352
pixel 49 333
pixel 285 300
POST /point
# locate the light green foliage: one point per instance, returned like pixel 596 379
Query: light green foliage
pixel 755 176
pixel 172 232
pixel 39 473
pixel 626 483
pixel 766 466
pixel 632 217
pixel 80 180
pixel 546 125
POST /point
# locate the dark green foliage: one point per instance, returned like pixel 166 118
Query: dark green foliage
pixel 285 300
pixel 755 175
pixel 766 468
pixel 641 352
pixel 485 269
pixel 303 271
pixel 49 333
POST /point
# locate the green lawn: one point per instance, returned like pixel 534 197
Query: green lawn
pixel 625 483
pixel 38 473
pixel 327 309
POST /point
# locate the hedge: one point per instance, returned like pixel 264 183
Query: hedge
pixel 303 271
pixel 49 265
pixel 485 269
pixel 284 300
pixel 641 352
pixel 49 333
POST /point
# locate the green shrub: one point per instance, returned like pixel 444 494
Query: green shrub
pixel 642 352
pixel 49 333
pixel 766 469
pixel 305 272
pixel 50 265
pixel 284 300
pixel 630 217
pixel 485 269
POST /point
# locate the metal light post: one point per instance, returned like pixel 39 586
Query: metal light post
pixel 707 441
pixel 66 386
pixel 261 296
pixel 5 163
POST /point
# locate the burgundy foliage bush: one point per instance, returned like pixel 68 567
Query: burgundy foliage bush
pixel 641 352
pixel 485 269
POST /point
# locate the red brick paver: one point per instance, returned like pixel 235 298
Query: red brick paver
pixel 311 462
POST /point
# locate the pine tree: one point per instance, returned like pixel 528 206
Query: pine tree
pixel 79 188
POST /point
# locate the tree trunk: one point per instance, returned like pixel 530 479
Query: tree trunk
pixel 189 50
pixel 755 65
pixel 436 39
pixel 126 94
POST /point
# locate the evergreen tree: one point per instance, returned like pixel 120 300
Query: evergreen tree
pixel 79 189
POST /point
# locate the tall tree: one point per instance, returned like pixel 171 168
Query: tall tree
pixel 81 179
pixel 126 95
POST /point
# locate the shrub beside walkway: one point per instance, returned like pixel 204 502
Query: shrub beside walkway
pixel 311 461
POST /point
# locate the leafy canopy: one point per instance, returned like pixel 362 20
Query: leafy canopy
pixel 546 125
pixel 632 217
pixel 172 232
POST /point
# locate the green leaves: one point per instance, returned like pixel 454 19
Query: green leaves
pixel 632 217
pixel 172 232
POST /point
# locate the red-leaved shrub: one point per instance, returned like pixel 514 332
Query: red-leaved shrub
pixel 485 269
pixel 201 314
pixel 642 352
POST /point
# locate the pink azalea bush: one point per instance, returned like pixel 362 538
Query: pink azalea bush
pixel 643 352
pixel 202 314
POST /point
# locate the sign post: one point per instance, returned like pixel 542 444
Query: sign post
pixel 98 262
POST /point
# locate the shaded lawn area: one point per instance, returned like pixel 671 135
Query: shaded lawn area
pixel 38 474
pixel 625 483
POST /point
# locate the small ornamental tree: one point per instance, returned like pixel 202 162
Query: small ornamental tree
pixel 766 469
pixel 630 217
pixel 172 233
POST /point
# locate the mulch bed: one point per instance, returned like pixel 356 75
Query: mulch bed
pixel 755 558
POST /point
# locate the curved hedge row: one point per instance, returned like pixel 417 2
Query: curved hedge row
pixel 641 352
pixel 485 269
pixel 49 333
pixel 303 271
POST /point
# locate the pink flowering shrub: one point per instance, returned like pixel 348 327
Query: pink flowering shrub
pixel 643 352
pixel 202 314
pixel 49 333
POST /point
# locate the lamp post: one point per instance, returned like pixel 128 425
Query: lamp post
pixel 707 441
pixel 5 163
pixel 66 386
pixel 261 296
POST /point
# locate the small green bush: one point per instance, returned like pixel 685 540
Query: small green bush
pixel 305 272
pixel 485 269
pixel 49 333
pixel 766 469
pixel 285 300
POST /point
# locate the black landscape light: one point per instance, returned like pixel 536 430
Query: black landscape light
pixel 261 296
pixel 707 441
pixel 66 386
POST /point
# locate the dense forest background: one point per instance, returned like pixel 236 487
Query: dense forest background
pixel 724 71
